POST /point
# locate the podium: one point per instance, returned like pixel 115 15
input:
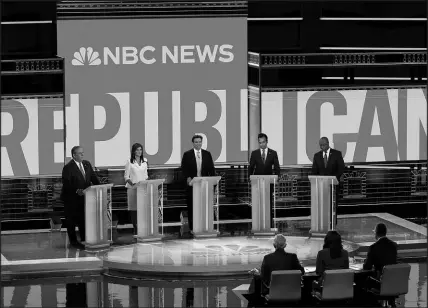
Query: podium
pixel 203 212
pixel 148 210
pixel 260 204
pixel 322 204
pixel 98 216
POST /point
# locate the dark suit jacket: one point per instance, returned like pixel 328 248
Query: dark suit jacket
pixel 257 167
pixel 72 180
pixel 278 261
pixel 335 164
pixel 189 168
pixel 382 252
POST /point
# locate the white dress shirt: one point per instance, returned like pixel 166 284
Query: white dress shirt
pixel 266 151
pixel 78 166
pixel 198 166
pixel 196 153
pixel 135 172
pixel 328 153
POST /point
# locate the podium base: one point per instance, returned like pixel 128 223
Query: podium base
pixel 205 234
pixel 97 247
pixel 263 233
pixel 317 234
pixel 150 238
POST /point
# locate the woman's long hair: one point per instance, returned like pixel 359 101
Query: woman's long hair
pixel 134 148
pixel 333 241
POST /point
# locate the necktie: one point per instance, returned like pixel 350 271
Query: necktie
pixel 325 159
pixel 263 155
pixel 198 163
pixel 82 170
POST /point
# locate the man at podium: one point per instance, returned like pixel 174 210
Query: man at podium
pixel 77 175
pixel 262 161
pixel 328 162
pixel 195 162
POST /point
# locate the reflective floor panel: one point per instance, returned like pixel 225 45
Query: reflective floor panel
pixel 104 292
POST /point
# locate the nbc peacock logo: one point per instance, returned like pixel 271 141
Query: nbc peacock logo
pixel 86 56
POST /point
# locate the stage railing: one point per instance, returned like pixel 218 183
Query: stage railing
pixel 361 185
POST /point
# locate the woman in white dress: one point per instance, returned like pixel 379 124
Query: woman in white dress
pixel 136 170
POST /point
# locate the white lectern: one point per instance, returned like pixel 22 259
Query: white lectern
pixel 260 204
pixel 148 210
pixel 203 212
pixel 322 204
pixel 98 213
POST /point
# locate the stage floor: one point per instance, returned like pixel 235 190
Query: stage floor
pixel 39 253
pixel 229 256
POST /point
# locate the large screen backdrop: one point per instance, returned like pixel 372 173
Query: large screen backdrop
pixel 156 82
pixel 32 136
pixel 366 125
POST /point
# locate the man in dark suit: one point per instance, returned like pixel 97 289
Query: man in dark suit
pixel 262 161
pixel 329 162
pixel 77 175
pixel 382 252
pixel 195 162
pixel 280 260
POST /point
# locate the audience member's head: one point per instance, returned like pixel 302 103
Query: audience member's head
pixel 279 242
pixel 380 230
pixel 333 241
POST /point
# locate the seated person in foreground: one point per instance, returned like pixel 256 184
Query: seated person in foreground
pixel 331 257
pixel 279 260
pixel 382 252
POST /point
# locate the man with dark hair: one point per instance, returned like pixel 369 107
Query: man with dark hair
pixel 262 161
pixel 195 162
pixel 77 175
pixel 382 252
pixel 329 162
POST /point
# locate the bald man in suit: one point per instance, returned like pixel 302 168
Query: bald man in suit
pixel 328 162
pixel 77 175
